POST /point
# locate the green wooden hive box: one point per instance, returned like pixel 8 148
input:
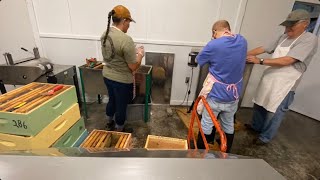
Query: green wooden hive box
pixel 32 122
pixel 71 136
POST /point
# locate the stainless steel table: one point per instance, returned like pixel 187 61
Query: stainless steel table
pixel 92 83
pixel 143 164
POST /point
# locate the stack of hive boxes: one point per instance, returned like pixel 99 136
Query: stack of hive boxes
pixel 40 115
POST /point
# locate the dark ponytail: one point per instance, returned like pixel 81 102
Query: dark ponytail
pixel 111 13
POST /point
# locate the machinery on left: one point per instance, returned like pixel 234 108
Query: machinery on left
pixel 36 69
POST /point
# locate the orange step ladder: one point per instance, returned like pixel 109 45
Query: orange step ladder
pixel 194 117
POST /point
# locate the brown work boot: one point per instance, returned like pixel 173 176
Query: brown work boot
pixel 110 126
pixel 250 128
pixel 125 129
pixel 259 142
pixel 230 138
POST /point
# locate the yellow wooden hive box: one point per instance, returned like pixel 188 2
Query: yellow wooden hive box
pixel 46 137
pixel 165 143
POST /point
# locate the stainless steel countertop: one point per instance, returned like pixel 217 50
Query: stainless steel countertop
pixel 13 167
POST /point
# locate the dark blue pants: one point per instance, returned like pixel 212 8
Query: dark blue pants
pixel 120 95
pixel 268 123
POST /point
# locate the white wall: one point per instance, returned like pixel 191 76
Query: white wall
pixel 69 30
pixel 16 30
pixel 307 99
pixel 156 20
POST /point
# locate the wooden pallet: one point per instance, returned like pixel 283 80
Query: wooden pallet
pixel 186 118
pixel 165 143
pixel 99 139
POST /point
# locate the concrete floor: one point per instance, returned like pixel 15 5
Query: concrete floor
pixel 294 152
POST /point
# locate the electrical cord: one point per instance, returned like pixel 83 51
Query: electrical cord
pixel 190 86
pixel 188 89
pixel 185 94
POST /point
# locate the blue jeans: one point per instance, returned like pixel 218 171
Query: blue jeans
pixel 120 95
pixel 225 111
pixel 267 123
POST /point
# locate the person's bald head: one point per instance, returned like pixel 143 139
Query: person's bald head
pixel 219 28
pixel 221 25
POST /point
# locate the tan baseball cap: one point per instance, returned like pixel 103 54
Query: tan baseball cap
pixel 295 16
pixel 122 12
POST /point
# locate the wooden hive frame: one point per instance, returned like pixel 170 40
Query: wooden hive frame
pixel 100 139
pixel 27 98
pixel 28 109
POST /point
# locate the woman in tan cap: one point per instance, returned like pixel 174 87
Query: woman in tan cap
pixel 121 59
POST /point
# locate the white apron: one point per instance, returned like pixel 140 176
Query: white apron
pixel 276 82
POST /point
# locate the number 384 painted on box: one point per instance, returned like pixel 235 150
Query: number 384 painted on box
pixel 19 124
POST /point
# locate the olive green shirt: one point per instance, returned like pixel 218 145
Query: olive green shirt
pixel 117 68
